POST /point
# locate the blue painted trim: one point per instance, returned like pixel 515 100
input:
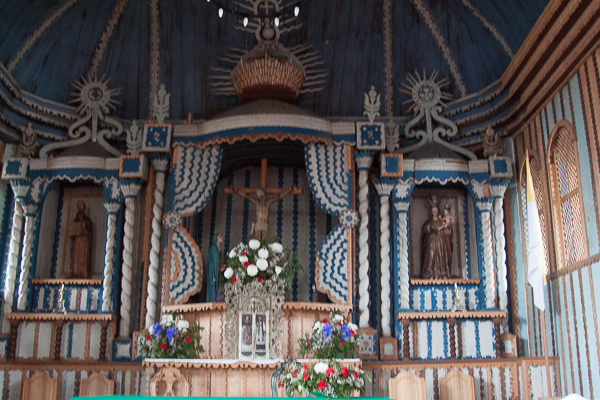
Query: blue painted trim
pixel 280 206
pixel 228 216
pixel 246 207
pixel 59 217
pixel 295 231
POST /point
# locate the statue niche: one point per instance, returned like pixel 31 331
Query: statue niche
pixel 80 237
pixel 436 244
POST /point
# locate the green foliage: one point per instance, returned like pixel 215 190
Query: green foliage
pixel 327 379
pixel 171 338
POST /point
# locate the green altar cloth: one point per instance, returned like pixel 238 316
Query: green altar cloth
pixel 180 398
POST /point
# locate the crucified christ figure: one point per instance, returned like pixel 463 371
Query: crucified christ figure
pixel 262 203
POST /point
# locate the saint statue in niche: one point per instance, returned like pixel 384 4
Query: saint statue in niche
pixel 262 203
pixel 436 248
pixel 246 345
pixel 214 261
pixel 80 236
pixel 261 348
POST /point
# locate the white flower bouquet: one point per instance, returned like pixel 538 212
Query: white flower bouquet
pixel 263 261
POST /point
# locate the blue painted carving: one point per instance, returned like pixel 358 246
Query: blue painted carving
pixel 157 138
pixel 370 135
pixel 329 180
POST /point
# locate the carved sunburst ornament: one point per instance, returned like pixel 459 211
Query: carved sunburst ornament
pixel 426 92
pixel 94 96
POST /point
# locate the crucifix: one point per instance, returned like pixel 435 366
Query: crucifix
pixel 261 201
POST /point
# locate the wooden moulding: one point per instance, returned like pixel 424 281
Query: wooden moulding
pixel 195 307
pixel 486 314
pixel 386 342
pixel 233 364
pixel 59 317
pixel 67 282
pixel 292 305
pixel 444 282
pixel 463 363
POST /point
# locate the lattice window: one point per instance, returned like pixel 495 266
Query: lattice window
pixel 567 197
pixel 536 176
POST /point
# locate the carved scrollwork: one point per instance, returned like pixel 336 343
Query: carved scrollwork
pixel 270 293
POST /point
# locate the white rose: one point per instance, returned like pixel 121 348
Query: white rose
pixel 337 318
pixel 232 253
pixel 321 368
pixel 252 270
pixel 243 259
pixel 352 326
pixel 263 253
pixel 183 325
pixel 254 244
pixel 277 270
pixel 276 247
pixel 262 264
pixel 228 273
pixel 317 326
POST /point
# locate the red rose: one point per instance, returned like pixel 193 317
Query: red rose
pixel 305 376
pixel 280 384
pixel 281 261
pixel 345 372
pixel 339 323
pixel 244 253
pixel 234 279
pixel 307 342
pixel 295 372
pixel 324 321
pixel 187 339
pixel 341 342
pixel 330 371
pixel 163 346
pixel 352 332
pixel 305 367
pixel 222 266
pixel 259 280
pixel 246 263
pixel 355 374
pixel 321 385
pixel 148 337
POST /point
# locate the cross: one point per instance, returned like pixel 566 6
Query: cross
pixel 261 201
pixel 263 184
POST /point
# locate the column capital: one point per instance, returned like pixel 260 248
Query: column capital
pixel 130 187
pixel 363 159
pixel 498 188
pixel 484 205
pixel 160 162
pixel 385 186
pixel 20 188
pixel 112 206
pixel 29 208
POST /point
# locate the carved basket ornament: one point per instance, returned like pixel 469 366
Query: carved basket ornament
pixel 269 77
pixel 254 300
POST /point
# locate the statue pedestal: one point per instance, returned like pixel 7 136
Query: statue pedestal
pixel 216 377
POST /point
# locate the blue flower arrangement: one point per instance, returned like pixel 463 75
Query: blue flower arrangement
pixel 333 338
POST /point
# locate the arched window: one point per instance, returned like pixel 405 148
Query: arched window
pixel 567 201
pixel 536 176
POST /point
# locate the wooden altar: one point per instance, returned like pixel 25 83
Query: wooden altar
pixel 215 377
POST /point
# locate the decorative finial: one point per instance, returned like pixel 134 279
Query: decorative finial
pixel 392 137
pixel 372 104
pixel 492 147
pixel 28 141
pixel 161 104
pixel 456 305
pixel 134 139
pixel 60 304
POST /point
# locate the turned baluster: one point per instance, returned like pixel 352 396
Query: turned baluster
pixel 12 348
pixel 58 339
pixel 406 340
pixel 103 332
pixel 496 322
pixel 459 336
pixel 451 324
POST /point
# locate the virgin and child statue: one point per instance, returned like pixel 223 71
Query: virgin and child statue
pixel 436 246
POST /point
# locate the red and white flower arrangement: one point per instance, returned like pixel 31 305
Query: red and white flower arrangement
pixel 171 338
pixel 263 261
pixel 327 378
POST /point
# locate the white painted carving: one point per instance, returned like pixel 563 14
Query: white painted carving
pixel 130 191
pixel 427 99
pixel 134 139
pixel 385 189
pixel 161 105
pixel 363 163
pixel 160 166
pixel 96 100
pixel 30 215
pixel 403 260
pixel 109 254
pixel 488 260
pixel 392 136
pixel 501 259
pixel 11 267
pixel 372 104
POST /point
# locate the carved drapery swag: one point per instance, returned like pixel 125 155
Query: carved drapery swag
pixel 272 296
